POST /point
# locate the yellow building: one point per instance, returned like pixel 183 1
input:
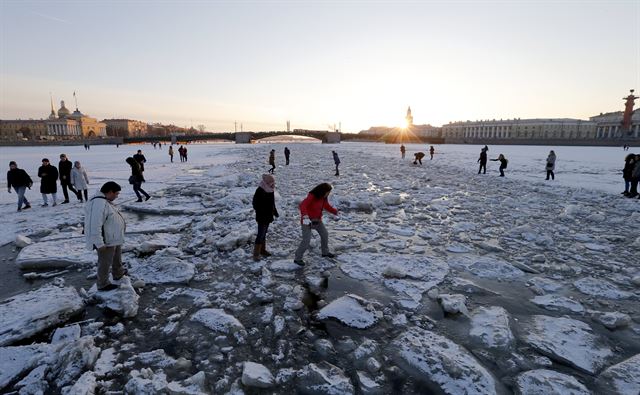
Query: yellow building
pixel 125 127
pixel 17 129
pixel 74 125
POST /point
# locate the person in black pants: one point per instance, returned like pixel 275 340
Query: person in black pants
pixel 64 170
pixel 286 155
pixel 265 207
pixel 503 163
pixel 136 179
pixel 336 161
pixel 483 161
pixel 272 160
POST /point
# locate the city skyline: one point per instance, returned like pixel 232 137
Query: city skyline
pixel 318 64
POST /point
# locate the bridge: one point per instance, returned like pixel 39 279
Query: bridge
pixel 240 137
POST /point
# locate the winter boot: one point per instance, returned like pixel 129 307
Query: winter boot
pixel 256 252
pixel 263 250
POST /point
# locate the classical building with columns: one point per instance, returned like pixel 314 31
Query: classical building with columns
pixel 520 129
pixel 610 126
pixel 75 125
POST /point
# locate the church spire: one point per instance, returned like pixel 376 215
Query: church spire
pixel 53 112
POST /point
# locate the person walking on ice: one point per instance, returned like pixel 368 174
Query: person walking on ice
pixel 104 229
pixel 48 181
pixel 80 180
pixel 286 155
pixel 431 152
pixel 483 160
pixel 336 161
pixel 311 209
pixel 403 150
pixel 503 163
pixel 272 160
pixel 551 165
pixel 64 168
pixel 171 153
pixel 136 179
pixel 418 158
pixel 265 207
pixel 20 181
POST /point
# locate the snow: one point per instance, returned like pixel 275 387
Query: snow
pixel 14 361
pixel 549 382
pixel 217 320
pixel 490 327
pixel 622 378
pixel 567 341
pixel 407 236
pixel 440 363
pixel 163 267
pixel 122 300
pixel 558 303
pixel 351 310
pixel 257 375
pixel 323 378
pixel 30 313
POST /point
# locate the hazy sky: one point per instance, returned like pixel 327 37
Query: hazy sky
pixel 318 62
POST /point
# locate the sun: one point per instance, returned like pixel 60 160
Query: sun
pixel 403 124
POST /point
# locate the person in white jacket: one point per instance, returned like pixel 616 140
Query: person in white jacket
pixel 80 180
pixel 104 229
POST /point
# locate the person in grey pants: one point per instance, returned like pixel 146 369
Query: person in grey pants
pixel 104 229
pixel 311 210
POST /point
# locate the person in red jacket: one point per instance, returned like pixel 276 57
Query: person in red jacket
pixel 311 211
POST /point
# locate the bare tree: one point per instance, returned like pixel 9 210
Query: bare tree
pixel 201 128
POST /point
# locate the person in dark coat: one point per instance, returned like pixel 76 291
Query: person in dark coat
pixel 336 160
pixel 184 153
pixel 629 163
pixel 551 165
pixel 136 179
pixel 483 160
pixel 431 152
pixel 48 181
pixel 64 170
pixel 403 150
pixel 140 159
pixel 635 178
pixel 503 163
pixel 20 181
pixel 286 155
pixel 418 157
pixel 265 206
pixel 272 160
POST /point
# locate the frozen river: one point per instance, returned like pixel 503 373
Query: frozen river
pixel 445 281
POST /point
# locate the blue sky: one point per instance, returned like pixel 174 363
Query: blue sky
pixel 318 63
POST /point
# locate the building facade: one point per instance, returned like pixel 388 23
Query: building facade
pixel 520 129
pixel 611 127
pixel 74 125
pixel 17 130
pixel 125 127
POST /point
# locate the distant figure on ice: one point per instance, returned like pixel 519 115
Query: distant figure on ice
pixel 635 178
pixel 48 181
pixel 171 153
pixel 403 150
pixel 286 155
pixel 336 161
pixel 104 228
pixel 431 152
pixel 181 152
pixel 503 163
pixel 184 153
pixel 265 206
pixel 311 212
pixel 272 160
pixel 80 180
pixel 418 158
pixel 136 179
pixel 483 160
pixel 627 171
pixel 551 165
pixel 64 168
pixel 140 159
pixel 20 181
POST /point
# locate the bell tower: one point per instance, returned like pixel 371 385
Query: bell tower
pixel 409 117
